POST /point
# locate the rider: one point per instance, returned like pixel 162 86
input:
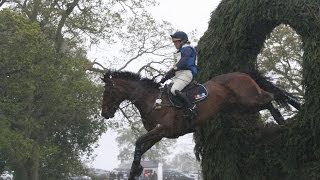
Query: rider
pixel 185 68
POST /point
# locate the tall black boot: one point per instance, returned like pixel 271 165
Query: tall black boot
pixel 184 98
pixel 191 107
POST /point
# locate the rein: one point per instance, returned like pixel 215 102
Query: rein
pixel 159 100
pixel 158 103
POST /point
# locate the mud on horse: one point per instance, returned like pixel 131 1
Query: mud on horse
pixel 228 89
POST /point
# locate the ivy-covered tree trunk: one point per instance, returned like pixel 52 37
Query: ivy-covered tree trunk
pixel 237 146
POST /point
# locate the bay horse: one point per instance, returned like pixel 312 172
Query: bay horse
pixel 231 88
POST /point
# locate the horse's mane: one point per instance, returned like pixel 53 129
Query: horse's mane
pixel 131 76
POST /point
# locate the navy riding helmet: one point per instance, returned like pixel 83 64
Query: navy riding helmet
pixel 180 35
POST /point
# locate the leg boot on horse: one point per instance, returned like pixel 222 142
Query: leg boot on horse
pixel 193 109
pixel 136 170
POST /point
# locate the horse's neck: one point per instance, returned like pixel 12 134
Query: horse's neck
pixel 141 97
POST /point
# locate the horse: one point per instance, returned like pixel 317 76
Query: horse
pixel 232 88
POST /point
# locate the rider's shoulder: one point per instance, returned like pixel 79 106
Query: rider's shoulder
pixel 187 48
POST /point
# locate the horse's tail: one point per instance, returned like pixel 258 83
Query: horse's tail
pixel 282 97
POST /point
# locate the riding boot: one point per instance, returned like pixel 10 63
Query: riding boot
pixel 191 107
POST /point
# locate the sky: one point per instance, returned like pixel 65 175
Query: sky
pixel 186 16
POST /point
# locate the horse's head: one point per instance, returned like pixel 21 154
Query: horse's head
pixel 111 98
pixel 124 85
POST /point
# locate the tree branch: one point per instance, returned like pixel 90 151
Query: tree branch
pixel 90 67
pixel 2 2
pixel 64 16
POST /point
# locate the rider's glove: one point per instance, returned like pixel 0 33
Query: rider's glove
pixel 169 75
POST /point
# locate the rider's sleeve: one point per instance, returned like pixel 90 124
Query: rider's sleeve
pixel 186 56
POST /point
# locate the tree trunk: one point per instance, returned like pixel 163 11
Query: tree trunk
pixel 33 164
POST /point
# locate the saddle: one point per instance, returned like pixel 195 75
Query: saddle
pixel 194 91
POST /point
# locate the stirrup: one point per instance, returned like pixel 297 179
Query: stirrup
pixel 193 107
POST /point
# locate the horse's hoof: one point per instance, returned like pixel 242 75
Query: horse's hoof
pixel 140 169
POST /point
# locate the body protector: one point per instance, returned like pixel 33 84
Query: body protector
pixel 185 67
pixel 185 59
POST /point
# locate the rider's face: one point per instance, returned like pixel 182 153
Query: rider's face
pixel 177 43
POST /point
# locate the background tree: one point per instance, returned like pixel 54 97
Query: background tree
pixel 232 146
pixel 69 22
pixel 47 103
pixel 184 162
pixel 281 59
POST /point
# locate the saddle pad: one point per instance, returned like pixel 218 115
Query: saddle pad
pixel 195 92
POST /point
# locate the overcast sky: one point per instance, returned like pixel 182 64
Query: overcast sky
pixel 185 16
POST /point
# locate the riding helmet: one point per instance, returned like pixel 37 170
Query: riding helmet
pixel 180 35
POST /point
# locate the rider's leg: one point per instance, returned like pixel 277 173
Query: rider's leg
pixel 180 81
pixel 184 98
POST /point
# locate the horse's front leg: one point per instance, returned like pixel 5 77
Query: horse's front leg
pixel 143 144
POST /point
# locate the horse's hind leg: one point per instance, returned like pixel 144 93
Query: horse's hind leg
pixel 249 93
pixel 256 98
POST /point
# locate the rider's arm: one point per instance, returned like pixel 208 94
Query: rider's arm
pixel 186 56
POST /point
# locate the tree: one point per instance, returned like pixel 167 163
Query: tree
pixel 18 87
pixel 47 104
pixel 232 146
pixel 142 46
pixel 68 22
pixel 281 59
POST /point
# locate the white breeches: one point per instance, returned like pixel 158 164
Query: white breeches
pixel 180 80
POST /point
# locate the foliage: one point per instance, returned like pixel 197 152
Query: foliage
pixel 18 86
pixel 69 22
pixel 240 147
pixel 48 103
pixel 281 59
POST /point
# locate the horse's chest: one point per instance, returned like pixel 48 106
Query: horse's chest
pixel 148 125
